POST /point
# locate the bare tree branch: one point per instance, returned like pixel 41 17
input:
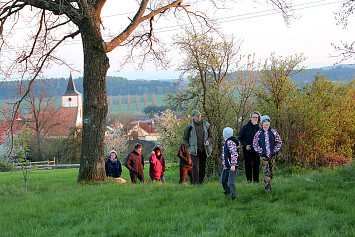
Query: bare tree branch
pixel 18 103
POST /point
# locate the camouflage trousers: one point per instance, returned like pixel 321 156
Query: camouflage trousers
pixel 268 172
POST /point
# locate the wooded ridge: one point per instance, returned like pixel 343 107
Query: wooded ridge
pixel 123 86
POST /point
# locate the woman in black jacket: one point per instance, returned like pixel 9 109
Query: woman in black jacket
pixel 251 158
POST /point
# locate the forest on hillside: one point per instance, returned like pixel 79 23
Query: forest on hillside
pixel 115 86
pixel 344 73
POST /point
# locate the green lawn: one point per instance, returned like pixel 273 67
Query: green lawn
pixel 318 203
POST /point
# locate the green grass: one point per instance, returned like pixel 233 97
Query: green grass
pixel 317 203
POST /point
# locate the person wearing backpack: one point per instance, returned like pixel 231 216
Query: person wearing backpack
pixel 197 138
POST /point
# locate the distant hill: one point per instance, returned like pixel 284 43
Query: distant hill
pixel 343 72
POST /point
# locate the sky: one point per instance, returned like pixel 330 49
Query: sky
pixel 260 28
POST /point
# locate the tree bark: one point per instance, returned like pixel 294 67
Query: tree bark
pixel 96 64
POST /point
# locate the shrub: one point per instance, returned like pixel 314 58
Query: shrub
pixel 5 167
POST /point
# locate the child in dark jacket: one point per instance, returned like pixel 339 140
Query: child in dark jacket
pixel 113 167
pixel 230 163
pixel 185 164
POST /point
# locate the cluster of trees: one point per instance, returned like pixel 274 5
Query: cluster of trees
pixel 316 121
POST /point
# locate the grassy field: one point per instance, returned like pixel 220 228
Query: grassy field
pixel 316 203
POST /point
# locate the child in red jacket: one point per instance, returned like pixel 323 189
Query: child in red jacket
pixel 157 165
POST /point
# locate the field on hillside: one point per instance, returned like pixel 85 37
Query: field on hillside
pixel 316 203
pixel 115 105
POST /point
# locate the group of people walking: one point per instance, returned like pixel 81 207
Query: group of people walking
pixel 259 141
pixel 135 164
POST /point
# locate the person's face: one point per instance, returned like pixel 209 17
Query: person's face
pixel 254 119
pixel 139 150
pixel 266 124
pixel 158 153
pixel 113 155
pixel 197 118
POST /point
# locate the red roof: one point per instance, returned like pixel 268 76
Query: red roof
pixel 53 123
pixel 5 128
pixel 63 121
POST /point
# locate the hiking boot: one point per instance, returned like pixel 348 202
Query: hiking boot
pixel 234 197
pixel 226 193
pixel 268 190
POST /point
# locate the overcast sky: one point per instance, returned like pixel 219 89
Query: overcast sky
pixel 261 30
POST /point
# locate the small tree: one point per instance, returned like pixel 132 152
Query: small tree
pixel 21 142
pixel 120 102
pixel 151 115
pixel 44 116
pixel 145 100
pixel 154 100
pixel 170 129
pixel 128 102
pixel 346 50
pixel 72 146
pixel 274 92
pixel 208 62
pixel 117 140
pixel 137 102
pixel 111 103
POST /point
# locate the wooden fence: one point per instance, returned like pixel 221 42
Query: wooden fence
pixel 38 164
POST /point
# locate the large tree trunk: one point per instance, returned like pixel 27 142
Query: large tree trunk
pixel 96 64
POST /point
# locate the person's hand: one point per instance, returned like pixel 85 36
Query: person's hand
pixel 248 147
pixel 233 168
pixel 207 143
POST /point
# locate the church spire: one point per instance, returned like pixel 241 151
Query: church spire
pixel 71 90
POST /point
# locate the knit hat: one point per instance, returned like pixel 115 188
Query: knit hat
pixel 263 118
pixel 195 113
pixel 113 152
pixel 227 132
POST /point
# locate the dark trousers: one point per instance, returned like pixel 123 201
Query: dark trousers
pixel 228 181
pixel 134 177
pixel 183 171
pixel 199 167
pixel 252 163
pixel 155 180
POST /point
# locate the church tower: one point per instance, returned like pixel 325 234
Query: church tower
pixel 72 100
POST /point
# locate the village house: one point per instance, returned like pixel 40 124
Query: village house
pixel 144 130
